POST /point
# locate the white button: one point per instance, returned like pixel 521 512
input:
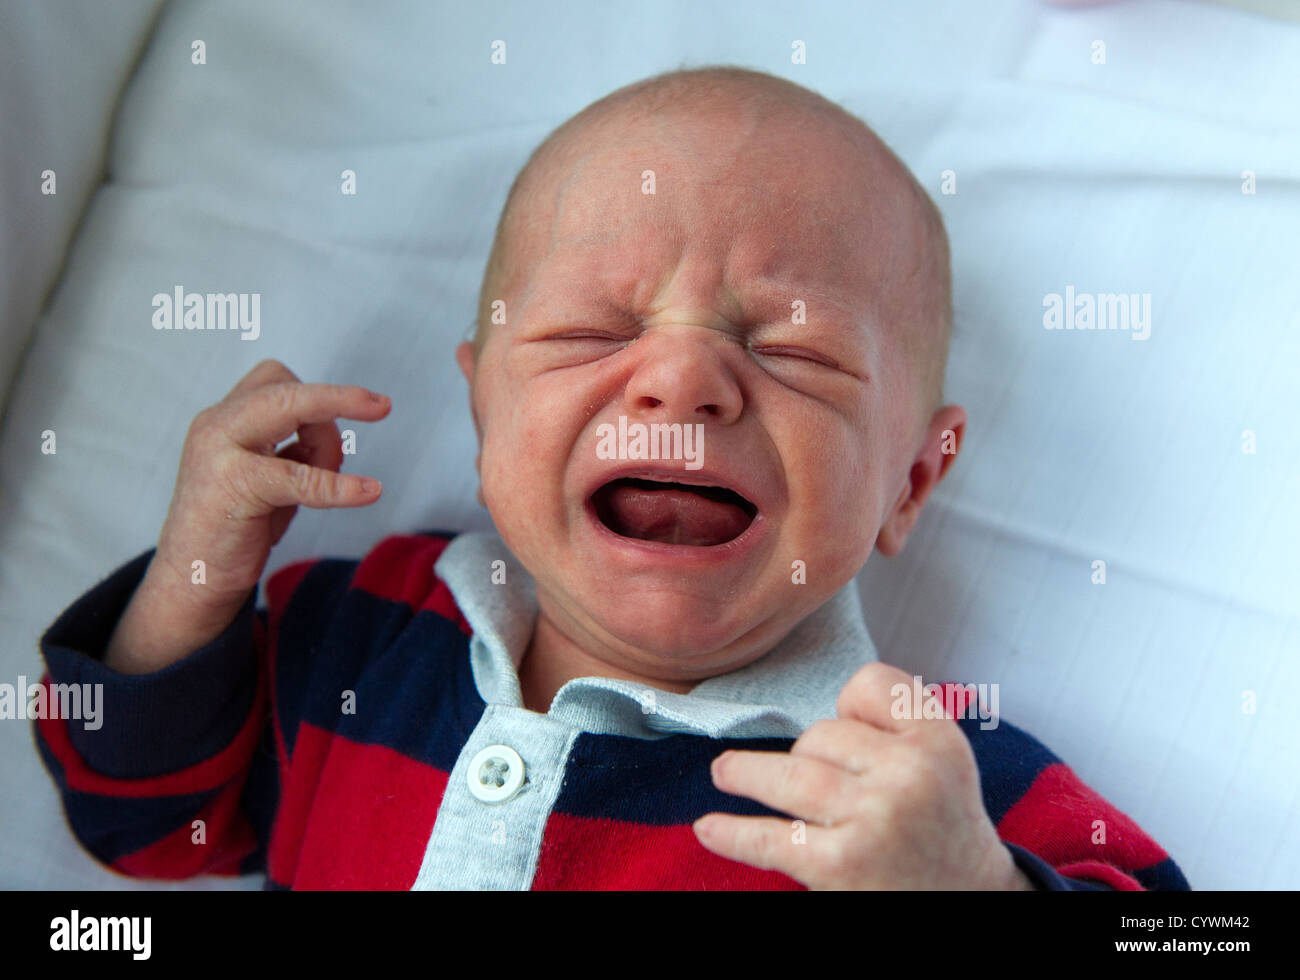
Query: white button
pixel 495 774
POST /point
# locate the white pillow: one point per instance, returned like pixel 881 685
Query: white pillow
pixel 62 67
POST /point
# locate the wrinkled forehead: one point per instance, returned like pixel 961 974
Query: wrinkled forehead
pixel 788 203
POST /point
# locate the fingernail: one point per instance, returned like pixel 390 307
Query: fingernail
pixel 369 486
pixel 377 397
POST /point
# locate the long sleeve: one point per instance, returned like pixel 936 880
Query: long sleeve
pixel 1061 833
pixel 177 774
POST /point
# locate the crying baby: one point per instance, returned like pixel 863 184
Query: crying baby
pixel 707 384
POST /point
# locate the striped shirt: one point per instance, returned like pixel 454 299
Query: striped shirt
pixel 366 731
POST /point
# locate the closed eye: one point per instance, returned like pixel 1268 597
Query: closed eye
pixel 571 348
pixel 586 335
pixel 800 352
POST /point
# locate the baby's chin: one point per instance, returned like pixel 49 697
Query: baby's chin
pixel 672 627
pixel 673 618
pixel 710 611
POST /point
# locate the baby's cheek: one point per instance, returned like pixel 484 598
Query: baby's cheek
pixel 516 470
pixel 499 476
pixel 837 522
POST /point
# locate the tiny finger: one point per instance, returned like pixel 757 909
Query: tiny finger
pixel 285 482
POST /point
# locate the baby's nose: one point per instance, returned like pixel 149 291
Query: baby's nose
pixel 683 374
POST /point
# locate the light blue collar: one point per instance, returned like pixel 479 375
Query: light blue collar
pixel 777 696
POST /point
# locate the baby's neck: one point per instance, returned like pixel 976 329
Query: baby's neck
pixel 553 659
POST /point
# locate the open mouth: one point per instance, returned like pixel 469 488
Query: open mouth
pixel 672 513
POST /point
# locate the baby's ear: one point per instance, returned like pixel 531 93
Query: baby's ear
pixel 465 358
pixel 938 450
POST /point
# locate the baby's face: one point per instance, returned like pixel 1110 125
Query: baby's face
pixel 756 294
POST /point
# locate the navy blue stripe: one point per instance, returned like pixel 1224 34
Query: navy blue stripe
pixel 662 782
pixel 156 723
pixel 439 533
pixel 111 827
pixel 407 671
pixel 1163 876
pixel 309 646
pixel 1009 761
pixel 261 798
pixel 416 697
pixel 1046 878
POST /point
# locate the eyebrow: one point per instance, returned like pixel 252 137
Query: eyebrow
pixel 759 299
pixel 762 298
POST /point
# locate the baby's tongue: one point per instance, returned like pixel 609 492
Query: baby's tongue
pixel 673 515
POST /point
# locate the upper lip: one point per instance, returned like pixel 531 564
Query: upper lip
pixel 704 477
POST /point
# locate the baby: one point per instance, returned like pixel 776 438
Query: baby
pixel 707 383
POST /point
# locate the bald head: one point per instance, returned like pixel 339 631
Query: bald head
pixel 920 292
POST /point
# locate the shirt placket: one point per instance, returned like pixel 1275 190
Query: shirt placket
pixel 507 777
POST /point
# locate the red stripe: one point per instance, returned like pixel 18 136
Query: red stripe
pixel 280 587
pixel 956 697
pixel 227 839
pixel 298 784
pixel 400 568
pixel 442 602
pixel 357 816
pixel 1055 820
pixel 597 853
pixel 205 776
pixel 1099 871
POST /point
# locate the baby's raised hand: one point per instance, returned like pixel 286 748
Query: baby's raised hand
pixel 879 802
pixel 234 498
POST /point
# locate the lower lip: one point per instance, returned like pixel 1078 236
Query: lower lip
pixel 679 556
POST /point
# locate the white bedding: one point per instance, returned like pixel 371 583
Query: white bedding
pixel 1082 445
